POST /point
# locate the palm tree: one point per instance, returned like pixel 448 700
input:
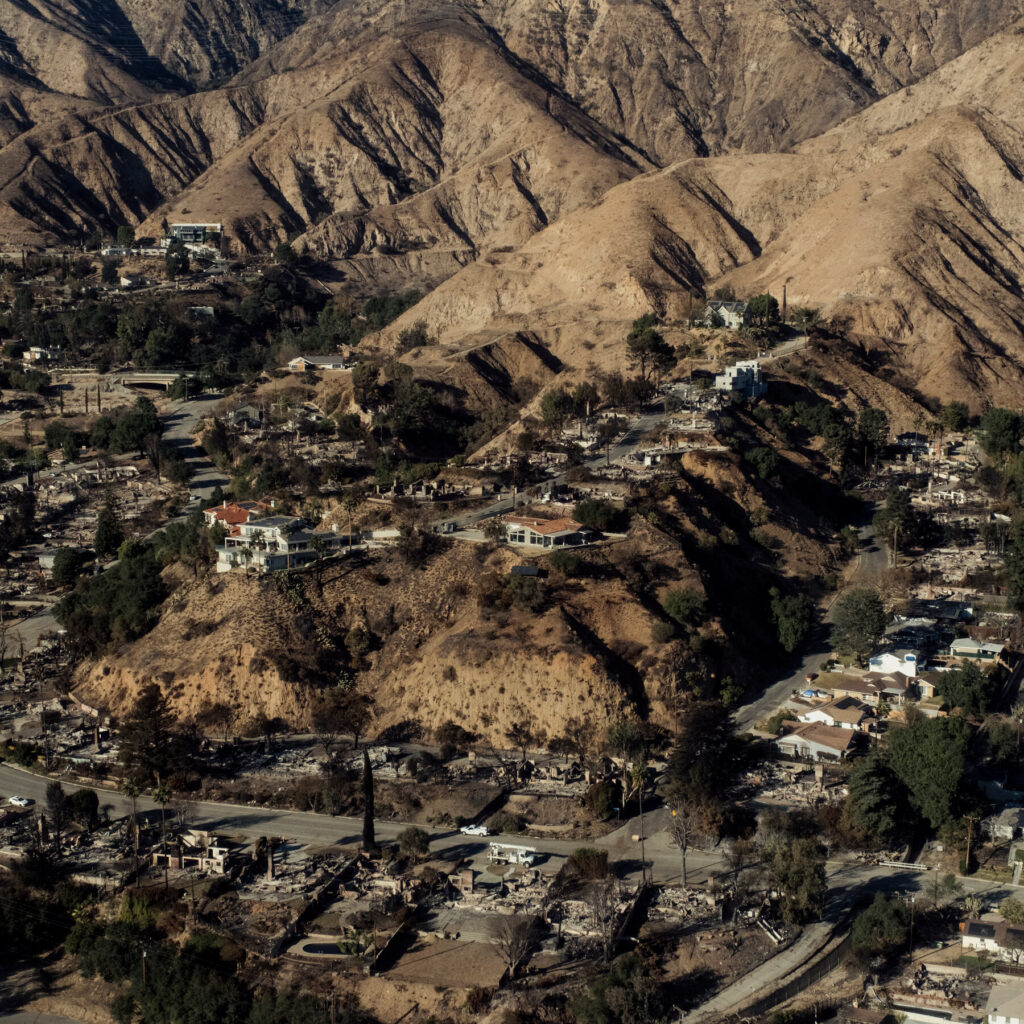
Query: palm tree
pixel 130 788
pixel 162 796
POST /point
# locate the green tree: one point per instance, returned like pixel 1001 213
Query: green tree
pixel 895 521
pixel 647 349
pixel 595 514
pixel 687 605
pixel 176 262
pixel 146 736
pixel 1001 431
pixel 797 870
pixel 623 994
pixel 126 236
pixel 930 758
pixel 881 929
pixel 873 431
pixel 285 255
pixel 1012 911
pixel 763 309
pixel 968 688
pixel 764 460
pixel 873 808
pixel 555 408
pixel 858 622
pixel 793 615
pixel 67 564
pixel 955 416
pixel 805 318
pixel 109 531
pixel 703 762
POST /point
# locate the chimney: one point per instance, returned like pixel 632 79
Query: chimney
pixel 270 861
pixel 224 503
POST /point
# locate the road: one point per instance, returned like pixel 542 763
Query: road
pixel 179 423
pixel 872 560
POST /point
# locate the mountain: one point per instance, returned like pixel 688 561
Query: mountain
pixel 555 168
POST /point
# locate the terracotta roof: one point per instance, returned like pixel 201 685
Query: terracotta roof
pixel 236 512
pixel 546 527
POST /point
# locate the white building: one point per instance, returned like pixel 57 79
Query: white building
pixel 816 742
pixel 317 362
pixel 841 713
pixel 974 650
pixel 1006 1004
pixel 896 660
pixel 743 378
pixel 733 315
pixel 277 542
pixel 526 531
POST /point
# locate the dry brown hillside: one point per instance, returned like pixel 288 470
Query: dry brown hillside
pixel 450 640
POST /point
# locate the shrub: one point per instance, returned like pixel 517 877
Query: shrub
pixel 506 822
pixel 662 632
pixel 686 605
pixel 603 798
pixel 589 863
pixel 568 563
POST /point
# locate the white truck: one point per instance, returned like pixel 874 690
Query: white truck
pixel 506 853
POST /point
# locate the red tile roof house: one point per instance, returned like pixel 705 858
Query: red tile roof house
pixel 545 533
pixel 233 514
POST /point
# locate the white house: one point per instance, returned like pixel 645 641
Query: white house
pixel 329 362
pixel 743 378
pixel 892 659
pixel 526 531
pixel 997 937
pixel 1006 1004
pixel 974 650
pixel 816 742
pixel 35 354
pixel 841 713
pixel 733 315
pixel 277 542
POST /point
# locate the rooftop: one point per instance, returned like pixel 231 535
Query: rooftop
pixel 546 527
pixel 824 735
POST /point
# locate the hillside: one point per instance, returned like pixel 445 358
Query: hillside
pixel 450 640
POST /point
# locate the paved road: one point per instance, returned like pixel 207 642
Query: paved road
pixel 179 423
pixel 871 561
pixel 30 1017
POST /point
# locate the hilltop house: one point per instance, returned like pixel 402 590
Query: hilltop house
pixel 526 531
pixel 277 542
pixel 722 313
pixel 743 378
pixel 317 362
pixel 233 513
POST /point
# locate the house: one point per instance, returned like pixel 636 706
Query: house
pixel 841 713
pixel 201 312
pixel 526 531
pixel 997 937
pixel 743 378
pixel 816 742
pixel 192 233
pixel 895 659
pixel 316 362
pixel 233 513
pixel 975 650
pixel 274 543
pixel 872 687
pixel 34 354
pixel 721 313
pixel 131 281
pixel 1006 1004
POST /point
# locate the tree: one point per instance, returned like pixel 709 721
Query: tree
pixel 1001 431
pixel 624 994
pixel 369 842
pixel 330 717
pixel 365 387
pixel 1012 911
pixel 797 870
pixel 162 797
pixel 873 431
pixel 514 935
pixel 895 521
pixel 414 843
pixel 126 236
pixel 358 713
pixel 594 514
pixel 687 605
pixel 969 689
pixel 109 532
pixel 764 460
pixel 67 564
pixel 880 930
pixel 647 349
pixel 872 811
pixel 524 732
pixel 555 408
pixel 929 757
pixel 285 255
pixel 793 615
pixel 176 262
pixel 805 318
pixel 858 622
pixel 703 761
pixel 145 736
pixel 763 309
pixel 955 416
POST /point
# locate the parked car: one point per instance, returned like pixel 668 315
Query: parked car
pixel 20 801
pixel 474 830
